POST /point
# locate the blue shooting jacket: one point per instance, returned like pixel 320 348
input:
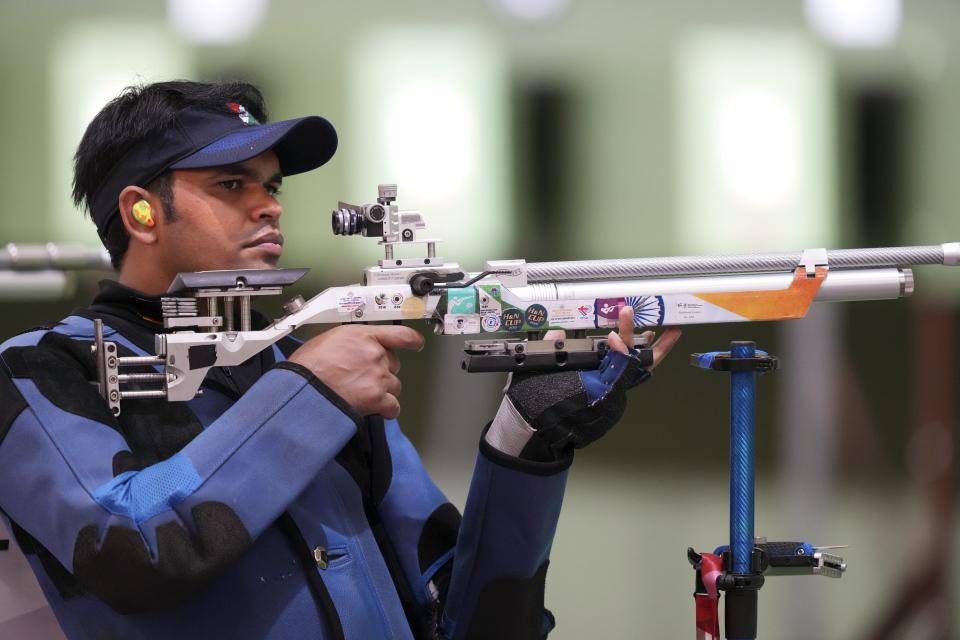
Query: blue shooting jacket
pixel 264 508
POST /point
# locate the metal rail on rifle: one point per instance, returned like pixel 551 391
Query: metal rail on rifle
pixel 208 319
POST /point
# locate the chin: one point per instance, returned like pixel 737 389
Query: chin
pixel 258 264
pixel 254 258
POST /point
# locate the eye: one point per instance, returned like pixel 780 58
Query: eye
pixel 231 185
pixel 274 190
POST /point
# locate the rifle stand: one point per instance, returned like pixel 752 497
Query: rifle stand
pixel 739 568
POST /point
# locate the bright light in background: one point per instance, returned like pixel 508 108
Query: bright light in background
pixel 215 22
pixel 428 111
pixel 90 63
pixel 855 23
pixel 754 163
pixel 431 138
pixel 757 136
pixel 531 11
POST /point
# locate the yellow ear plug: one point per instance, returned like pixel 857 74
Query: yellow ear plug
pixel 142 213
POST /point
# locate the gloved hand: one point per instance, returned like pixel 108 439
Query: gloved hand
pixel 544 416
pixel 569 410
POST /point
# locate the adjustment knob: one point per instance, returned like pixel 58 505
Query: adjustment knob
pixel 294 305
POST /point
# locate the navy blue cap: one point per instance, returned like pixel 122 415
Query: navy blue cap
pixel 200 138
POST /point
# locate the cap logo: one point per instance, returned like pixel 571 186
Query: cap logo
pixel 242 113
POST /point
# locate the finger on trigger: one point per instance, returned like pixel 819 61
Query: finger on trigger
pixel 625 320
pixel 616 343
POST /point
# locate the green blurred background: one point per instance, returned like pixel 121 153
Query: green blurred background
pixel 570 129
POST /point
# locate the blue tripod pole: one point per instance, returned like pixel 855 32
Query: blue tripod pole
pixel 744 563
pixel 743 386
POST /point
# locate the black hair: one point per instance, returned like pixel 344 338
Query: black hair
pixel 137 114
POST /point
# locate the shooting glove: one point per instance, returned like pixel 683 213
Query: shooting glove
pixel 544 416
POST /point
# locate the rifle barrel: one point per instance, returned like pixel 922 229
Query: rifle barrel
pixel 841 285
pixel 580 270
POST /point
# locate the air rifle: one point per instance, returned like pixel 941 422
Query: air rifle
pixel 208 315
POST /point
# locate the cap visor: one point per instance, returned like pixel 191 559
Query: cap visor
pixel 301 144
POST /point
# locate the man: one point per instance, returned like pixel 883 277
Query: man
pixel 284 502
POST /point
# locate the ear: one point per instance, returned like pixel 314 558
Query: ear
pixel 130 196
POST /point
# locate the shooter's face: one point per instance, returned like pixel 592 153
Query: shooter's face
pixel 225 217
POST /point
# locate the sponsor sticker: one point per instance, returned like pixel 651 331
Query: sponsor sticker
pixel 462 301
pixel 490 321
pixel 609 308
pixel 536 315
pixel 512 320
pixel 648 311
pixel 567 315
pixel 690 310
pixel 453 324
pixel 349 303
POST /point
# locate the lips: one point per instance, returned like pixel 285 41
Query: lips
pixel 271 243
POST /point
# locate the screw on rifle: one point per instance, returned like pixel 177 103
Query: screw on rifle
pixel 408 234
pixel 558 345
pixel 358 313
pixel 518 348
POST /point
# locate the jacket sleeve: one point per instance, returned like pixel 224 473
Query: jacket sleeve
pixel 145 539
pixel 486 572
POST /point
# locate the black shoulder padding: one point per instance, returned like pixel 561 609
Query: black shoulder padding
pixel 439 535
pixel 62 369
pixel 510 609
pixel 121 574
pixel 124 461
pixel 155 430
pixel 11 404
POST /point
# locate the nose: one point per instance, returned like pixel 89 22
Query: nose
pixel 267 208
